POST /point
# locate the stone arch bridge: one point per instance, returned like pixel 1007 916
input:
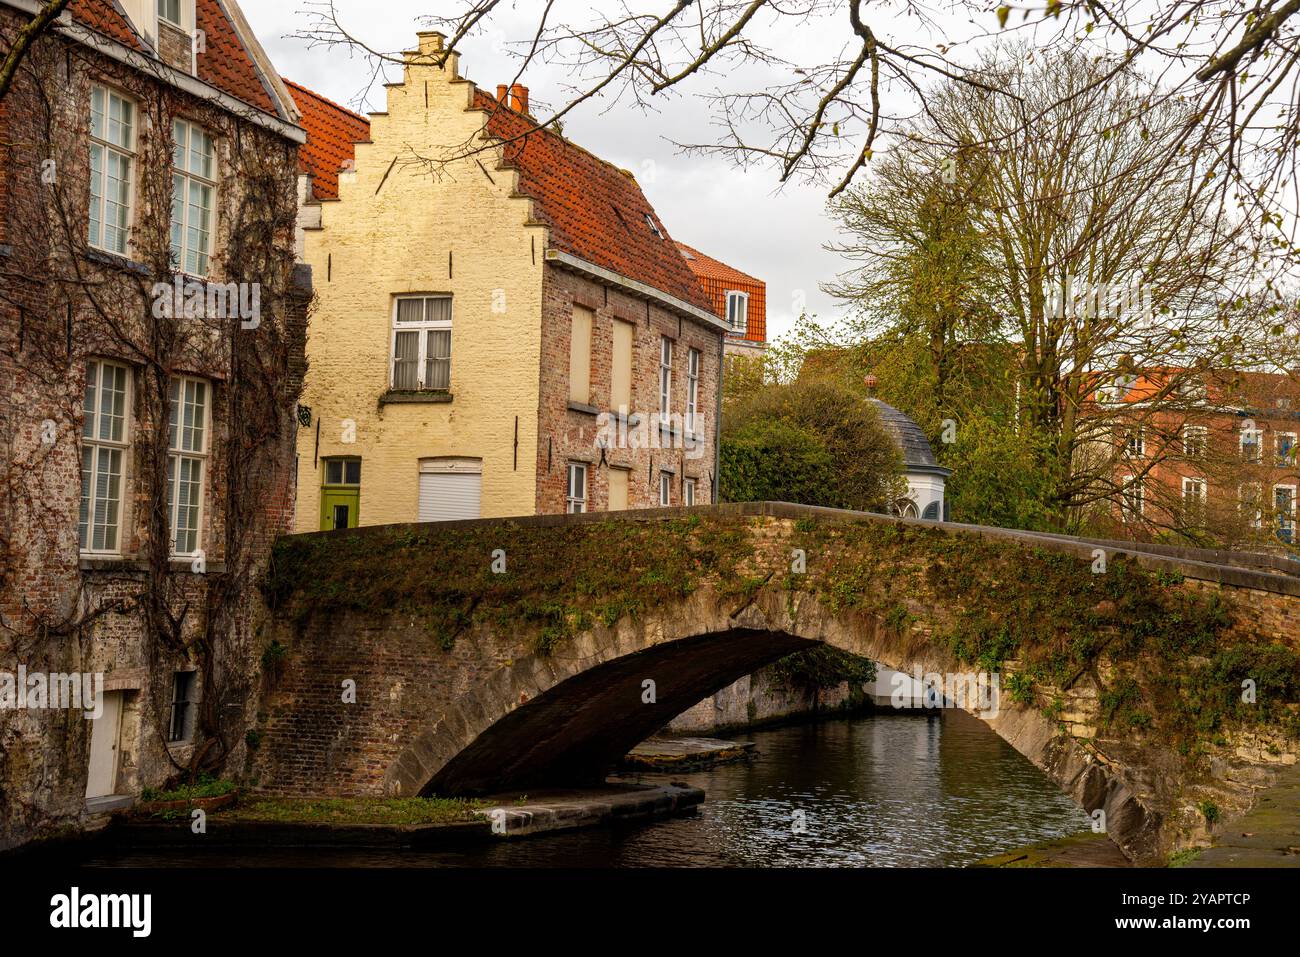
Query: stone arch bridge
pixel 516 653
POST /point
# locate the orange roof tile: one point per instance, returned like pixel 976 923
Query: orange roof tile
pixel 595 211
pixel 716 278
pixel 332 132
pixel 226 64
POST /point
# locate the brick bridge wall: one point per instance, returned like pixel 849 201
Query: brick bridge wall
pixel 492 710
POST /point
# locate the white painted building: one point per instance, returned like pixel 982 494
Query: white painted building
pixel 926 478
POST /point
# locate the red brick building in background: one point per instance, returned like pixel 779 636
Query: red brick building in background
pixel 737 298
pixel 1210 456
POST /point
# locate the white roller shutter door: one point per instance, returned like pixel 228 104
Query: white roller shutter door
pixel 448 493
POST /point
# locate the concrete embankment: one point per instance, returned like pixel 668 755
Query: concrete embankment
pixel 499 816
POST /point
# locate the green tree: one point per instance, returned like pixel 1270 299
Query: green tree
pixel 812 442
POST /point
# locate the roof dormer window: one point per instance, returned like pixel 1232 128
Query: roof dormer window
pixel 170 11
pixel 654 227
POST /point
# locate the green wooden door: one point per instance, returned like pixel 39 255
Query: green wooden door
pixel 340 506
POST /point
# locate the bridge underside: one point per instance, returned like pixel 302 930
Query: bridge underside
pixel 576 731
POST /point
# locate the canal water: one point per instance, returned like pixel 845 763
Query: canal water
pixel 888 790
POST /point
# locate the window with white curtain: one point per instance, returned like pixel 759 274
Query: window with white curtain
pixel 421 343
pixel 104 438
pixel 194 191
pixel 112 169
pixel 187 422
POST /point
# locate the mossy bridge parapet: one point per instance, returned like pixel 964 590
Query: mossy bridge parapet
pixel 465 657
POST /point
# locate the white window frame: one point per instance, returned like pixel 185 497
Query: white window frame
pixel 184 179
pixel 575 499
pixel 688 491
pixel 1283 522
pixel 422 329
pixel 1201 499
pixel 665 489
pixel 692 389
pixel 1135 441
pixel 93 444
pixel 1258 435
pixel 738 318
pixel 1132 491
pixel 97 238
pixel 1193 450
pixel 1278 457
pixel 180 13
pixel 178 455
pixel 665 379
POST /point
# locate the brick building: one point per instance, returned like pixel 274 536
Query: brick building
pixel 1209 455
pixel 504 324
pixel 737 298
pixel 152 322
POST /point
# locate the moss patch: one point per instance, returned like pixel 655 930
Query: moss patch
pixel 389 811
pixel 558 581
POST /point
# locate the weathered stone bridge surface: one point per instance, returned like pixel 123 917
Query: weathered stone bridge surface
pixel 520 653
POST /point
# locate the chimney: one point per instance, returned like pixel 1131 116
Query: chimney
pixel 501 94
pixel 519 98
pixel 431 41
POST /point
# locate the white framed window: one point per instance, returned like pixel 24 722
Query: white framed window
pixel 421 343
pixel 1135 442
pixel 187 423
pixel 738 310
pixel 170 10
pixel 665 378
pixel 1193 498
pixel 665 488
pixel 576 497
pixel 1133 503
pixel 194 190
pixel 1285 447
pixel 688 491
pixel 105 436
pixel 692 389
pixel 112 169
pixel 1284 511
pixel 1195 438
pixel 1251 442
pixel 1251 499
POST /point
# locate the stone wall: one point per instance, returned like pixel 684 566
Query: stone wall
pixel 491 709
pixel 763 698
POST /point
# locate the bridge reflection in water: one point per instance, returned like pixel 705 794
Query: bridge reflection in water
pixel 880 790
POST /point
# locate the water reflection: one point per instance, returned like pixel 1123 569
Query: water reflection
pixel 881 790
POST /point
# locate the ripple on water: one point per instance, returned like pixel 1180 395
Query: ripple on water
pixel 879 790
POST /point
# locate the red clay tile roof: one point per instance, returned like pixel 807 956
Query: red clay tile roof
pixel 595 211
pixel 332 132
pixel 226 65
pixel 717 278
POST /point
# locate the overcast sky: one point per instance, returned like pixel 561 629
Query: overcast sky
pixel 739 217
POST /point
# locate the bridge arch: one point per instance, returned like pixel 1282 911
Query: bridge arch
pixel 466 680
pixel 567 717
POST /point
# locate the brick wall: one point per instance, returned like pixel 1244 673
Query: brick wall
pixel 60 612
pixel 567 435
